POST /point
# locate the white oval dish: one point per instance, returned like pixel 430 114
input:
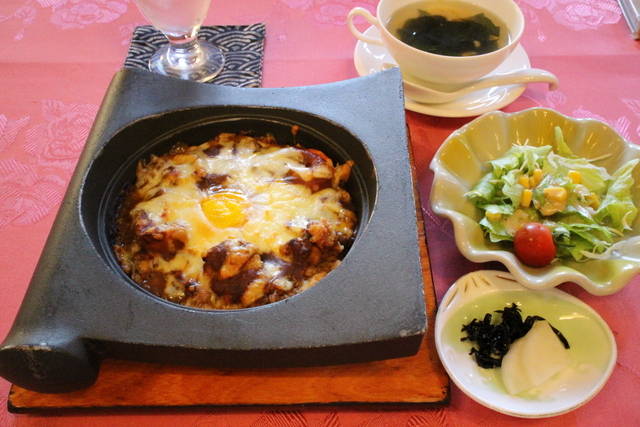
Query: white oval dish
pixel 593 350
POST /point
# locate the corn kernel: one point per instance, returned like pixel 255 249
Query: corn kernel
pixel 524 181
pixel 575 176
pixel 537 177
pixel 525 199
pixel 556 194
pixel 594 200
pixel 494 216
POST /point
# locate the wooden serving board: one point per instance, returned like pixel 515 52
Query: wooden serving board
pixel 419 379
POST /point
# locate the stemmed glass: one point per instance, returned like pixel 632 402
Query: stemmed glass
pixel 185 56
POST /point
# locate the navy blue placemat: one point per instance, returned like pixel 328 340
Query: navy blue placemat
pixel 242 46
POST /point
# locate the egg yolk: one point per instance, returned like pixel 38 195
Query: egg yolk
pixel 225 209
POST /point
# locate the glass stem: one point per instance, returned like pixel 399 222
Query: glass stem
pixel 184 51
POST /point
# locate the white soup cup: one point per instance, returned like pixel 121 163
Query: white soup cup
pixel 441 70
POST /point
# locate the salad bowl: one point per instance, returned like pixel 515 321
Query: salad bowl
pixel 461 162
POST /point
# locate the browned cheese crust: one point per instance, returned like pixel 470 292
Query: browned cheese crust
pixel 236 222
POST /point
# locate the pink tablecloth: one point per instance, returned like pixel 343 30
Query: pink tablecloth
pixel 57 57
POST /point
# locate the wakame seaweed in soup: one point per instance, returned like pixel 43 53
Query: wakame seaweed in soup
pixel 448 28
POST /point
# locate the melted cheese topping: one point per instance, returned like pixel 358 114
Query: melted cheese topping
pixel 247 190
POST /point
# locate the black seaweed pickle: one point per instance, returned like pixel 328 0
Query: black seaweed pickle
pixel 493 340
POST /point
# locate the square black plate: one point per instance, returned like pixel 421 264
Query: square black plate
pixel 81 307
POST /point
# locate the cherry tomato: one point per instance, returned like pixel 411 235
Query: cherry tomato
pixel 533 244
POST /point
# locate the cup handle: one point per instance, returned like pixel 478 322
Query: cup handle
pixel 370 18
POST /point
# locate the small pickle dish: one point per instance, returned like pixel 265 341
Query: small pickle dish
pixel 589 360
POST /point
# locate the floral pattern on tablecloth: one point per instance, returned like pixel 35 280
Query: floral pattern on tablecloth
pixel 621 124
pixel 63 14
pixel 38 157
pixel 634 107
pixel 23 16
pixel 555 98
pixel 579 14
pixel 67 14
pixel 9 130
pixel 58 140
pixel 330 11
pixel 26 193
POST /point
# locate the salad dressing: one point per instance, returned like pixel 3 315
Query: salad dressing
pixel 519 218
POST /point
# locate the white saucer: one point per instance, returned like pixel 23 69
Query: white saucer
pixel 592 350
pixel 368 58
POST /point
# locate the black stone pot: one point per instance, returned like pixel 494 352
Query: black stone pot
pixel 81 307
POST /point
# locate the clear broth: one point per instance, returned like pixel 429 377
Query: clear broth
pixel 452 11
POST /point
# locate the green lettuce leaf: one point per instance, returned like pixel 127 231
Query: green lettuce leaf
pixel 510 187
pixel 575 239
pixel 523 157
pixel 496 230
pixel 617 208
pixel 595 178
pixel 561 146
pixel 484 191
pixel 499 209
pixel 532 157
pixel 506 163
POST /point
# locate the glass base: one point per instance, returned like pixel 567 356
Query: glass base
pixel 198 61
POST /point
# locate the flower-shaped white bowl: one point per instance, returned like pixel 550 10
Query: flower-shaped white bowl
pixel 462 160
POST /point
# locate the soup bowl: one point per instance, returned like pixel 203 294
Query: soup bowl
pixel 446 72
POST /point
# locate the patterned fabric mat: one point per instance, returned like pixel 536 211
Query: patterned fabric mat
pixel 242 46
